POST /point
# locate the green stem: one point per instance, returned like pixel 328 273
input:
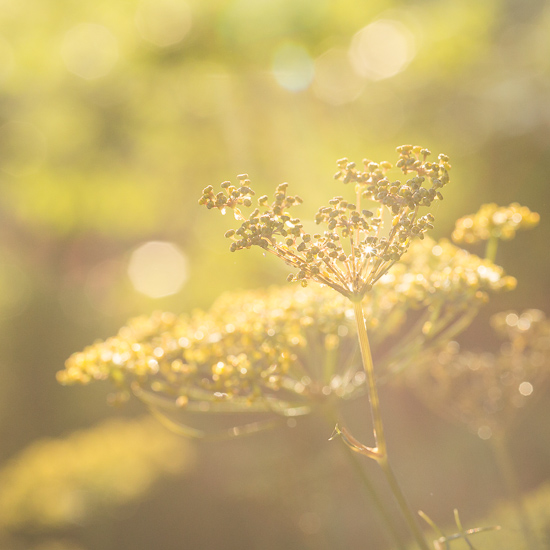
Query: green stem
pixel 508 473
pixel 331 415
pixel 379 452
pixel 375 498
pixel 410 518
pixel 366 355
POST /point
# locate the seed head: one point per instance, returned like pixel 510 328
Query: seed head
pixel 358 245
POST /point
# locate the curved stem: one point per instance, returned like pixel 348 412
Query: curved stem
pixel 392 529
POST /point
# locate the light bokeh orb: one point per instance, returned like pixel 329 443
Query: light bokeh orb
pixel 526 388
pixel 89 50
pixel 335 81
pixel 158 269
pixel 163 22
pixel 292 67
pixel 382 49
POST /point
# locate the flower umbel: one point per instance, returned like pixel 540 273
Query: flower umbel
pixel 401 298
pixel 287 350
pixel 256 351
pixel 359 245
pixel 491 220
pixel 356 249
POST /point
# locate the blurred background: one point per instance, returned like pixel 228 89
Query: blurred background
pixel 113 118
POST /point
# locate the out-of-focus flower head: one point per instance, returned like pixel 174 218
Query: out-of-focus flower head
pixel 359 245
pixel 486 390
pixel 61 482
pixel 438 270
pixel 446 286
pixel 493 221
pixel 286 350
pixel 277 350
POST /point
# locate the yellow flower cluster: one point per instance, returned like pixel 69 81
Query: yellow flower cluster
pixel 440 271
pixel 358 245
pixel 493 221
pixel 486 390
pixel 448 285
pixel 60 482
pixel 287 349
pixel 249 348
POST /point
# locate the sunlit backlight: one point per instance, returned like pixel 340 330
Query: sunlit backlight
pixel 163 22
pixel 382 49
pixel 292 67
pixel 526 388
pixel 335 81
pixel 89 51
pixel 158 269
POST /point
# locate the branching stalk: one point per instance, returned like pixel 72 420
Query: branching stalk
pixel 369 488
